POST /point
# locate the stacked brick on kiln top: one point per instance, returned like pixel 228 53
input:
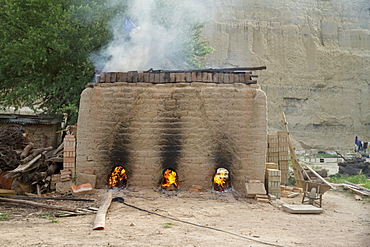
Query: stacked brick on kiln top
pixel 277 152
pixel 227 76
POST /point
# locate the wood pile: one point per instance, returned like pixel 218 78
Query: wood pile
pixel 355 166
pixel 29 167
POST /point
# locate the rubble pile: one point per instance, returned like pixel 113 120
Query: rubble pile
pixel 355 166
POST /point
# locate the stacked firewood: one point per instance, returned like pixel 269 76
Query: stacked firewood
pixel 30 168
pixel 12 138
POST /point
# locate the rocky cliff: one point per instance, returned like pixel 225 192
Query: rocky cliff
pixel 317 54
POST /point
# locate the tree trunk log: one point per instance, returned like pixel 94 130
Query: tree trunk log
pixel 26 150
pixel 99 222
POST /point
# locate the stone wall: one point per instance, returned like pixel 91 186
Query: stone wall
pixel 193 128
pixel 317 55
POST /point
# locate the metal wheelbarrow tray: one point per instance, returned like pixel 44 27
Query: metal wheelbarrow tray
pixel 312 191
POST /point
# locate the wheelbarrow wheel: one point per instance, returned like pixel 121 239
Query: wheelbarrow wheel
pixel 312 197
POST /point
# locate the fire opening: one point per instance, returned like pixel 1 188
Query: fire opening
pixel 169 181
pixel 221 180
pixel 118 178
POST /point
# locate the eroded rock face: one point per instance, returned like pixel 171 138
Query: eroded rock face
pixel 317 55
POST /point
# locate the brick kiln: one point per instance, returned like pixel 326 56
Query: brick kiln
pixel 194 124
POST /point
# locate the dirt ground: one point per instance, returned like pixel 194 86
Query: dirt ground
pixel 345 222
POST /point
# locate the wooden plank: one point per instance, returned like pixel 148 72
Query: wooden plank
pixel 357 186
pixel 99 222
pixel 297 169
pixel 36 204
pixel 302 209
pixel 4 192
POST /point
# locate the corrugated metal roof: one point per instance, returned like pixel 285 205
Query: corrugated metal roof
pixel 29 119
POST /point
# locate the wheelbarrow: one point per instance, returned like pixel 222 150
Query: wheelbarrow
pixel 312 191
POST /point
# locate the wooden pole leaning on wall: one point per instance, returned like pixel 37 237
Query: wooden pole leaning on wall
pixel 297 169
pixel 99 222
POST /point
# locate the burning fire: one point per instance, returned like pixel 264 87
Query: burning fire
pixel 169 180
pixel 220 179
pixel 118 177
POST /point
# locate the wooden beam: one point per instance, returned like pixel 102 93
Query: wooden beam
pixel 297 168
pixel 99 222
pixel 36 204
pixel 321 178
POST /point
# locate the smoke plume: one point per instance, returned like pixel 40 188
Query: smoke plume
pixel 158 42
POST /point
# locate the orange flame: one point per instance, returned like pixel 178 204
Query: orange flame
pixel 220 179
pixel 169 178
pixel 116 176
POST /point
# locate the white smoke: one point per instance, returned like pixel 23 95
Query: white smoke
pixel 155 42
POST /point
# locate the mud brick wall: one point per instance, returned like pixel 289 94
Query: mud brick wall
pixel 193 128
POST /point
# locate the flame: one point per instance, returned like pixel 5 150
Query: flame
pixel 220 179
pixel 116 176
pixel 169 178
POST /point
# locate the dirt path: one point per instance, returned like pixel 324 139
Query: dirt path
pixel 345 222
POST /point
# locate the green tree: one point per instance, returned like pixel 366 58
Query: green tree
pixel 44 49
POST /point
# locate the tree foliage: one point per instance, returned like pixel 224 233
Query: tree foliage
pixel 45 47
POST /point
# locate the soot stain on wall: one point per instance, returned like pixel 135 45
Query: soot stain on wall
pixel 171 134
pixel 119 154
pixel 223 156
pixel 171 143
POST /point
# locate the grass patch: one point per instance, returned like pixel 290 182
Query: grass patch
pixel 4 216
pixel 49 217
pixel 357 179
pixel 168 225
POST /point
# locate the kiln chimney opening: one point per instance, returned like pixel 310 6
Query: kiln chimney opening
pixel 221 180
pixel 118 178
pixel 169 181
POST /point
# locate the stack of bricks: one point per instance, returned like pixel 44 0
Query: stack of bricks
pixel 277 152
pixel 225 76
pixel 273 180
pixel 283 156
pixel 272 149
pixel 69 158
pixel 55 178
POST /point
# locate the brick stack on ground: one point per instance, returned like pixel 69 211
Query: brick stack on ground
pixel 62 181
pixel 273 181
pixel 277 152
pixel 283 156
pixel 69 158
